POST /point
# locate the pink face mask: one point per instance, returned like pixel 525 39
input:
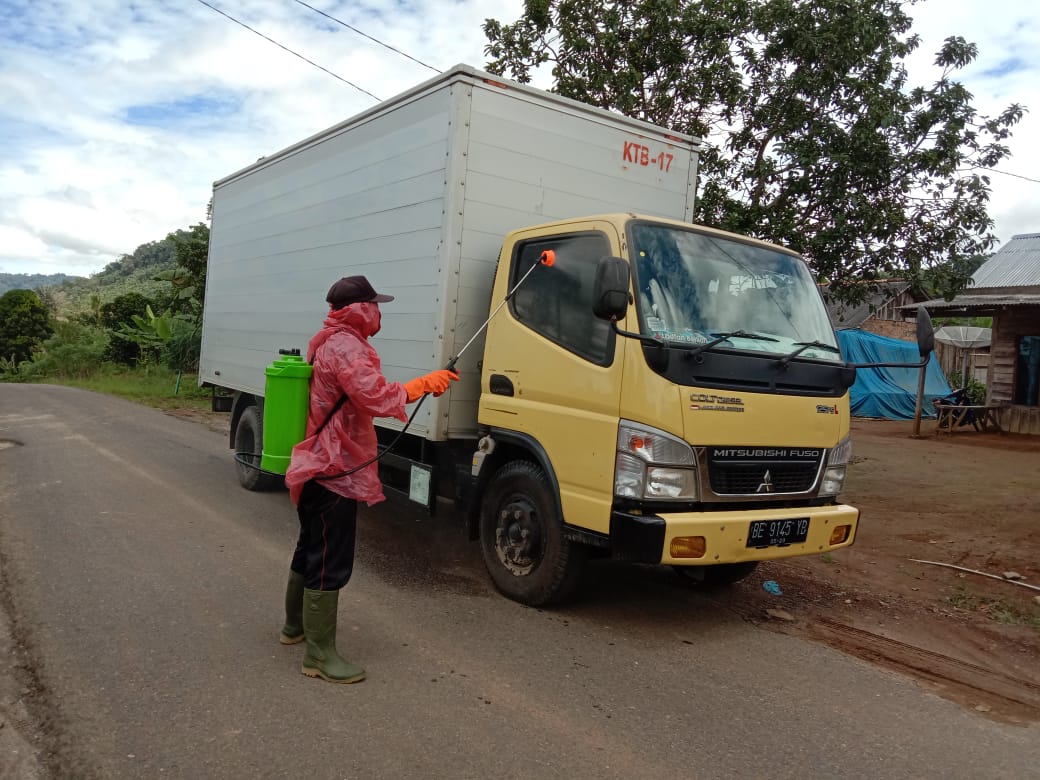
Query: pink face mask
pixel 364 316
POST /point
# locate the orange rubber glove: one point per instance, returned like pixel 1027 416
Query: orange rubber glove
pixel 435 382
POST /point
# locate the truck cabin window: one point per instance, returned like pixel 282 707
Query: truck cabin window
pixel 693 286
pixel 556 301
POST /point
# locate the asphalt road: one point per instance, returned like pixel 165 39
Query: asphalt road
pixel 142 593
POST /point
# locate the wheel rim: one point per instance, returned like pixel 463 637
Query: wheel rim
pixel 518 536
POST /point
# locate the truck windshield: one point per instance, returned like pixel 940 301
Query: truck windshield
pixel 693 287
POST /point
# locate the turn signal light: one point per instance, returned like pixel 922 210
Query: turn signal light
pixel 688 547
pixel 840 534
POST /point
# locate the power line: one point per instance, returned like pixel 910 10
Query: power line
pixel 978 169
pixel 366 35
pixel 413 59
pixel 1016 175
pixel 286 48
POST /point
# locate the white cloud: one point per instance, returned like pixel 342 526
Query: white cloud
pixel 18 242
pixel 117 118
pixel 121 118
pixel 1006 71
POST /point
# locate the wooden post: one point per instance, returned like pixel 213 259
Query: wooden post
pixel 920 400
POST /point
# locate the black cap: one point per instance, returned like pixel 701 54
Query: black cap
pixel 353 289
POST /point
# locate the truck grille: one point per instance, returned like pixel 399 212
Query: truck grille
pixel 762 470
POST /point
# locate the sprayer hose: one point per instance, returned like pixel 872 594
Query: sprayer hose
pixel 240 456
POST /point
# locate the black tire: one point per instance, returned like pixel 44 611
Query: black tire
pixel 719 575
pixel 249 439
pixel 521 536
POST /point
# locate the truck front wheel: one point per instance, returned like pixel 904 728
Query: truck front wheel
pixel 249 438
pixel 521 536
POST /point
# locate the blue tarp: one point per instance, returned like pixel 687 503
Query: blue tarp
pixel 889 392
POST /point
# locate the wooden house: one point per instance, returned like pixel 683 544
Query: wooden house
pixel 1007 288
pixel 881 312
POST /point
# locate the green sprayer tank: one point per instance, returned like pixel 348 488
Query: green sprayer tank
pixel 286 399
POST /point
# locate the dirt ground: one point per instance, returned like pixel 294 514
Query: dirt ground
pixel 970 500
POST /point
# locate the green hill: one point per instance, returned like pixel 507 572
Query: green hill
pixel 32 281
pixel 68 295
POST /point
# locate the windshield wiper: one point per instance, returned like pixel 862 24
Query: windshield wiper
pixel 718 338
pixel 804 345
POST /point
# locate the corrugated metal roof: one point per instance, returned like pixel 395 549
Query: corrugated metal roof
pixel 974 305
pixel 1016 264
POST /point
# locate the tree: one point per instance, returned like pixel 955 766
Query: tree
pixel 115 317
pixel 154 254
pixel 188 278
pixel 49 298
pixel 24 324
pixel 182 318
pixel 93 313
pixel 170 338
pixel 817 141
pixel 946 279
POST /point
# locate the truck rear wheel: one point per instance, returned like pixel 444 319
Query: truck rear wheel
pixel 719 575
pixel 521 536
pixel 249 438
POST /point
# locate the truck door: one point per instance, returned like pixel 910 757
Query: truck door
pixel 552 370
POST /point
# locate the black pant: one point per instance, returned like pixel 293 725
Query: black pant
pixel 328 528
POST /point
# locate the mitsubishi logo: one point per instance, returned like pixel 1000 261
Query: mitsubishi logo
pixel 767 484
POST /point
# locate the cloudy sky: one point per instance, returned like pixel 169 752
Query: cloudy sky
pixel 117 116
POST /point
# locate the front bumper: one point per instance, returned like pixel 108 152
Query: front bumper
pixel 648 538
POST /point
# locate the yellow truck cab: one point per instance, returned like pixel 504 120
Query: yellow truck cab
pixel 700 420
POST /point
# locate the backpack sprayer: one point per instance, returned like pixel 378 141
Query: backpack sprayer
pixel 287 400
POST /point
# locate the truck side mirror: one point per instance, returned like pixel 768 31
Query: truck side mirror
pixel 925 333
pixel 610 291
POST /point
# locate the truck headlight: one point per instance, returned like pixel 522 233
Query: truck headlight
pixel 652 464
pixel 667 482
pixel 837 463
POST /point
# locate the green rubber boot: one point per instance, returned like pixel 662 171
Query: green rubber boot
pixel 319 627
pixel 292 631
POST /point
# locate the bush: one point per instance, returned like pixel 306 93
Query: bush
pixel 118 315
pixel 976 389
pixel 75 350
pixel 171 340
pixel 9 369
pixel 24 323
pixel 181 351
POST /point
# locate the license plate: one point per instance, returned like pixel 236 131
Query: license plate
pixel 777 533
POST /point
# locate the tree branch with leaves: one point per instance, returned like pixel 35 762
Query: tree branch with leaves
pixel 817 141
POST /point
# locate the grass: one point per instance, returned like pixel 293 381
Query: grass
pixel 999 609
pixel 153 386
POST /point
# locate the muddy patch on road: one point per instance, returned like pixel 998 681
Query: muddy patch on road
pixel 970 634
pixel 988 667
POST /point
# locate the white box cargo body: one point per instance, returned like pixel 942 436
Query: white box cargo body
pixel 417 194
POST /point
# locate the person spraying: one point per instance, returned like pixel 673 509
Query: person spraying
pixel 335 466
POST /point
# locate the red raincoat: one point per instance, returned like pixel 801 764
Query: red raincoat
pixel 344 362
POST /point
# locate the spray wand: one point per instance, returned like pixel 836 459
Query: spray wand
pixel 547 258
